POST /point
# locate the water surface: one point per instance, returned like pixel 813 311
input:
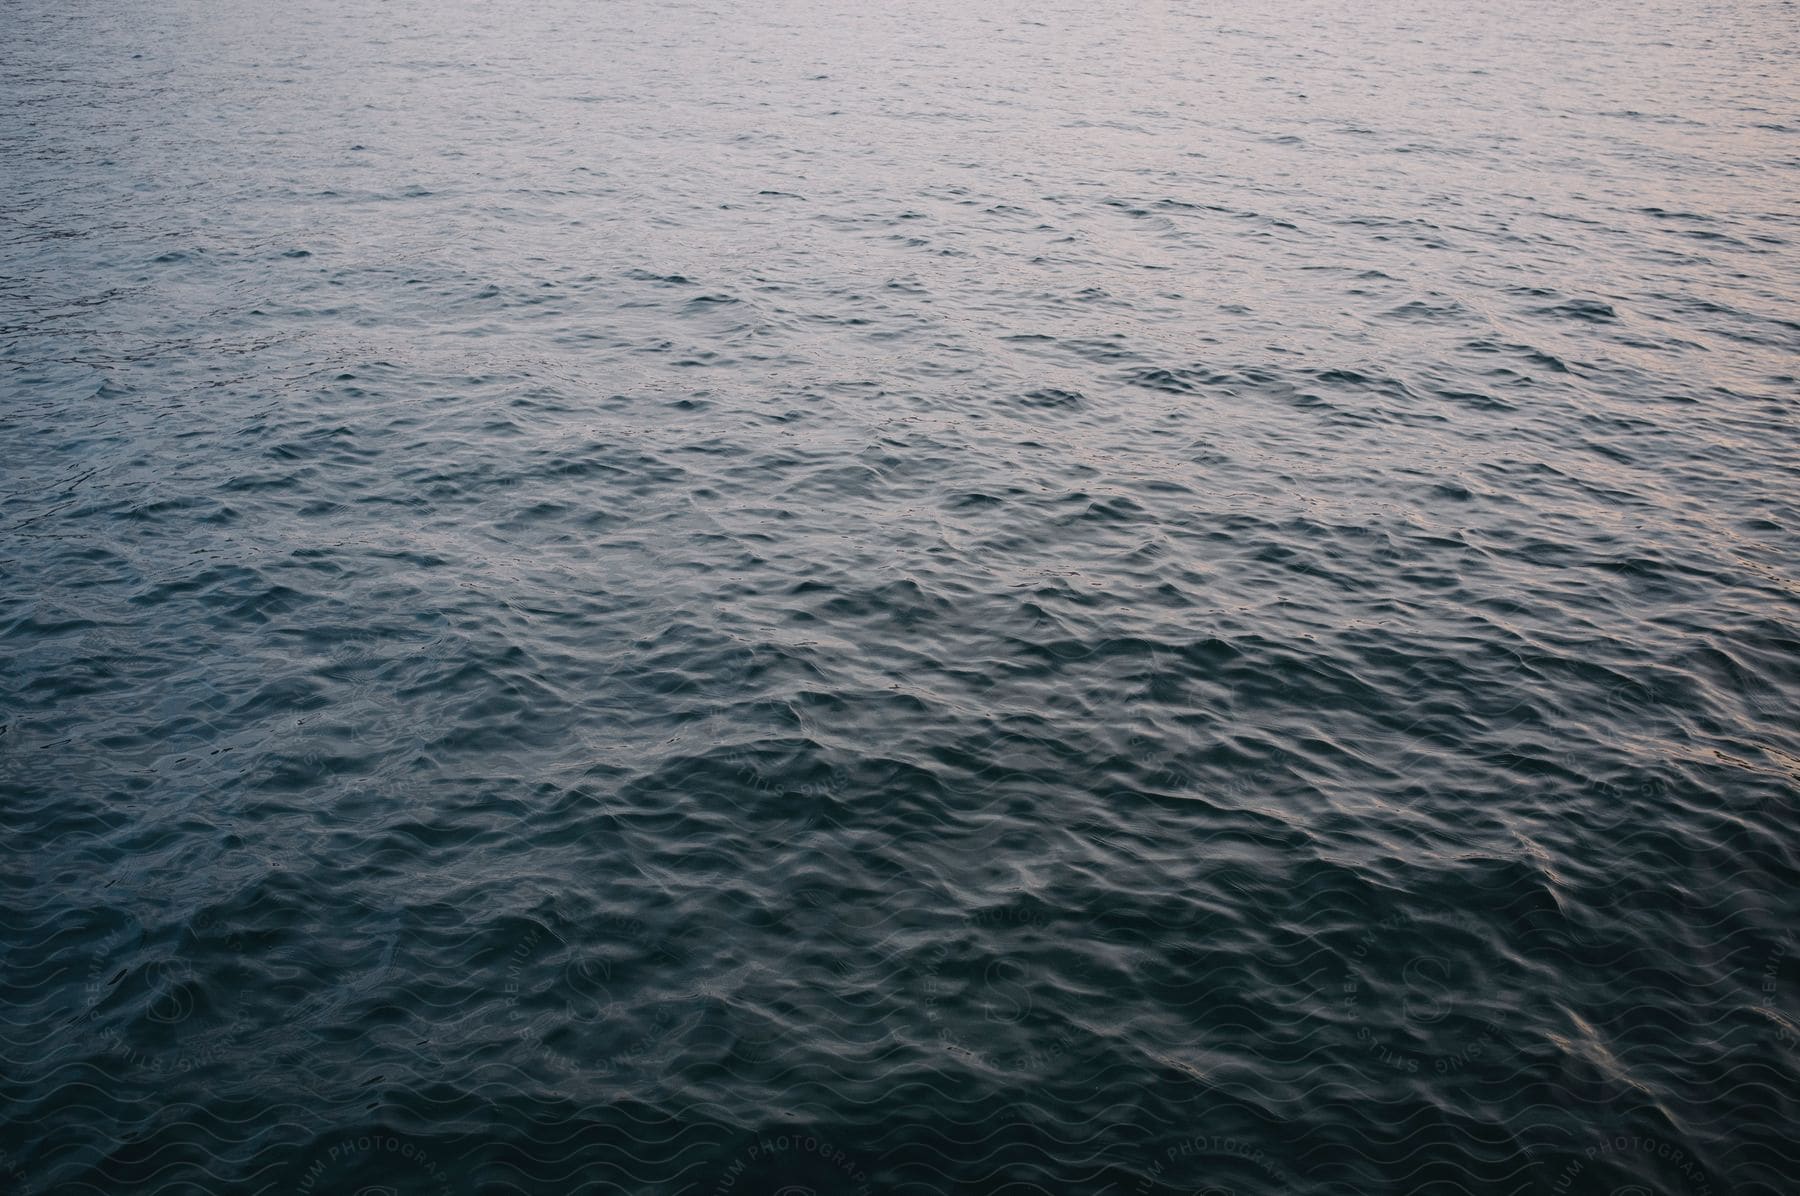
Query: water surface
pixel 720 598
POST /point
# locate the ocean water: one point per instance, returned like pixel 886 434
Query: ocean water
pixel 732 599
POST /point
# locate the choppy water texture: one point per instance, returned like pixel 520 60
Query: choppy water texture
pixel 745 598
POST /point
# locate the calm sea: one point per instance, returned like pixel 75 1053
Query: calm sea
pixel 732 598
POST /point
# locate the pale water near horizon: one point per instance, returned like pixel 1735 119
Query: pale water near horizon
pixel 993 598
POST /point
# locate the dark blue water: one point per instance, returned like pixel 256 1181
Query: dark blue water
pixel 731 598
